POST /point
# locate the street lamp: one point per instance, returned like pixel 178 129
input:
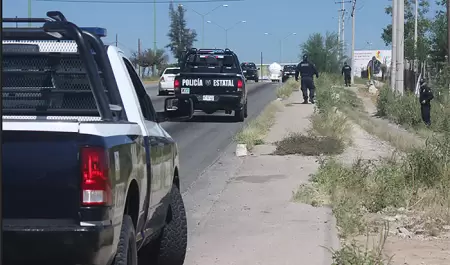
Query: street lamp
pixel 281 41
pixel 203 15
pixel 226 29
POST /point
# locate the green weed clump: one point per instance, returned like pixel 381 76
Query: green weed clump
pixel 255 131
pixel 405 110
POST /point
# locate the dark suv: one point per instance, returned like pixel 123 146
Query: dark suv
pixel 250 71
pixel 288 71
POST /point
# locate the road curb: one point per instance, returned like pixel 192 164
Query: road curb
pixel 241 150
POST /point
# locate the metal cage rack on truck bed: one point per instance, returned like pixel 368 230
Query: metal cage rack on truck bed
pixel 39 80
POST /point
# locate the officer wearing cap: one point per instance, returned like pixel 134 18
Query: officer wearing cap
pixel 346 72
pixel 425 97
pixel 307 70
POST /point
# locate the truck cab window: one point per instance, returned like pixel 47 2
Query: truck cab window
pixel 144 100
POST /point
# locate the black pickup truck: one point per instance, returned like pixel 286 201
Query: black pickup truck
pixel 213 80
pixel 89 175
pixel 250 71
pixel 288 71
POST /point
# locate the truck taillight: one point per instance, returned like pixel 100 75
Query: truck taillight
pixel 240 84
pixel 176 83
pixel 95 183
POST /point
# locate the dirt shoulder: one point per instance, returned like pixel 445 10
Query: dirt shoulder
pixel 253 219
pixel 413 234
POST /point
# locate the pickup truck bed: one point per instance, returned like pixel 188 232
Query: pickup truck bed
pixel 89 175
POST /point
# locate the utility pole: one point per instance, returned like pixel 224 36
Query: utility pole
pixel 394 44
pixel 139 56
pixel 281 59
pixel 448 31
pixel 117 39
pixel 260 68
pixel 154 35
pixel 400 46
pixel 29 12
pixel 154 25
pixel 353 43
pixel 341 28
pixel 339 33
pixel 416 17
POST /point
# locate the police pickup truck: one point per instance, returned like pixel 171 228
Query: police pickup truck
pixel 250 71
pixel 89 175
pixel 213 80
pixel 288 71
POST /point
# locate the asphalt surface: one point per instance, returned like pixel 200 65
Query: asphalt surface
pixel 202 140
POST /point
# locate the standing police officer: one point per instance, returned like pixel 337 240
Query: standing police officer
pixel 307 70
pixel 425 97
pixel 346 72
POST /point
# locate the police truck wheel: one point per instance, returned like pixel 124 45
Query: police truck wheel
pixel 239 114
pixel 173 241
pixel 245 110
pixel 126 249
pixel 256 80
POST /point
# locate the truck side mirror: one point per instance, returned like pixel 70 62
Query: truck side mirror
pixel 176 109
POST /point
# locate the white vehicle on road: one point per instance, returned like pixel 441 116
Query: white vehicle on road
pixel 275 71
pixel 166 81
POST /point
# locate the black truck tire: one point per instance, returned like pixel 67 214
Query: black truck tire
pixel 239 114
pixel 173 241
pixel 257 79
pixel 126 249
pixel 245 110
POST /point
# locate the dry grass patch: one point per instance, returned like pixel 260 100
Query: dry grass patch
pixel 403 141
pixel 297 143
pixel 286 89
pixel 310 194
pixel 353 253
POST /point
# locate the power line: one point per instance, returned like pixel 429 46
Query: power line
pixel 138 2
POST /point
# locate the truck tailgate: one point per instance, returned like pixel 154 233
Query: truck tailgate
pixel 209 83
pixel 41 174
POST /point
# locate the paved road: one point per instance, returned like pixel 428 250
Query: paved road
pixel 203 139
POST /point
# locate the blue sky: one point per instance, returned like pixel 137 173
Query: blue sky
pixel 280 18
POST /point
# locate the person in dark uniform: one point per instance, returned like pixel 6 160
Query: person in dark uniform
pixel 425 97
pixel 346 72
pixel 307 70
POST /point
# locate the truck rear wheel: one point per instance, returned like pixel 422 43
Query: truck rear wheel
pixel 173 241
pixel 126 249
pixel 245 110
pixel 239 114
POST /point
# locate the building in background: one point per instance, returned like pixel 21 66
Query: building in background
pixel 362 58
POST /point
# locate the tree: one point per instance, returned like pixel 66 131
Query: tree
pixel 324 52
pixel 181 37
pixel 423 27
pixel 150 58
pixel 438 34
